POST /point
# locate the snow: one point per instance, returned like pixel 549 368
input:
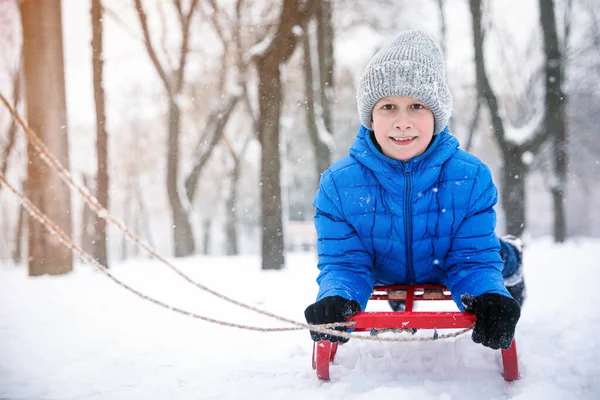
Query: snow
pixel 520 135
pixel 81 336
pixel 324 135
pixel 260 48
pixel 297 30
pixel 527 157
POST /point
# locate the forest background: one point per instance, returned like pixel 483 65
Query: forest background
pixel 204 125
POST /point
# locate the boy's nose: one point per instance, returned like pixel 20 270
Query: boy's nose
pixel 402 121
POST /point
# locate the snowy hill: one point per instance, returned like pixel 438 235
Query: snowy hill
pixel 83 337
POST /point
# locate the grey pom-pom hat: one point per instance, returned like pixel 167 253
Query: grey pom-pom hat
pixel 412 65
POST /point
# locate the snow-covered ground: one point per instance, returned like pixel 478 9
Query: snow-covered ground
pixel 83 337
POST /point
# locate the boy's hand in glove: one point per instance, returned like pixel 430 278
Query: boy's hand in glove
pixel 328 310
pixel 497 317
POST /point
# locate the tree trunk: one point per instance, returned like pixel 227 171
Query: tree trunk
pixel 555 121
pixel 270 180
pixel 280 49
pixel 87 229
pixel 46 115
pixel 513 191
pixel 126 206
pixel 326 63
pixel 182 230
pixel 206 227
pixel 231 211
pixel 18 250
pixel 141 207
pixel 87 223
pixel 102 181
pixel 321 150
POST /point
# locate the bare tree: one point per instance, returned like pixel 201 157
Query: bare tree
pixel 555 114
pixel 271 53
pixel 320 148
pixel 7 16
pixel 12 128
pixel 229 30
pixel 132 170
pixel 88 220
pixel 319 92
pixel 515 167
pixel 12 50
pixel 22 220
pixel 46 115
pixel 231 211
pixel 102 180
pixel 443 44
pixel 211 133
pixel 173 81
pixel 325 40
pixel 209 136
pixel 318 109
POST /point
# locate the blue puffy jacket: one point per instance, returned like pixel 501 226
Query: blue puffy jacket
pixel 428 220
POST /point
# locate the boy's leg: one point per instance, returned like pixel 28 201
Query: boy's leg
pixel 397 305
pixel 511 252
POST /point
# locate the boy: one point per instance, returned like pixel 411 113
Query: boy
pixel 407 206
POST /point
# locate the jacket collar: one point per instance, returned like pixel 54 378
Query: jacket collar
pixel 390 172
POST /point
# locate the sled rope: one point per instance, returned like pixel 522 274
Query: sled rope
pixel 103 213
pixel 87 258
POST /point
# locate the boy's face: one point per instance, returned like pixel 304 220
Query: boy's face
pixel 403 126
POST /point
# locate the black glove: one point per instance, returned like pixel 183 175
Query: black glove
pixel 328 310
pixel 497 317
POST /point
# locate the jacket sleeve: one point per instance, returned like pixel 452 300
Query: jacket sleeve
pixel 473 265
pixel 345 264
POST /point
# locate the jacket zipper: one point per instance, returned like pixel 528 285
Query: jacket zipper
pixel 410 271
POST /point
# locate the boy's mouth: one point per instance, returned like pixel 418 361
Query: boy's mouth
pixel 404 140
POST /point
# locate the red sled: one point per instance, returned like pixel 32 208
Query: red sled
pixel 324 351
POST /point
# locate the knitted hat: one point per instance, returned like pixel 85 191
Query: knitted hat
pixel 412 65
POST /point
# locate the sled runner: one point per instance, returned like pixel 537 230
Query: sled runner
pixel 324 351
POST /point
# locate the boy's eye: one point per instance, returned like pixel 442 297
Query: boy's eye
pixel 388 107
pixel 418 106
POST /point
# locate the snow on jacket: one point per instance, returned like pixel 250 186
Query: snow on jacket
pixel 428 220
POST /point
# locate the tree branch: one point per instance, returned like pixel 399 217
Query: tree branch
pixel 282 45
pixel 184 45
pixel 191 182
pixel 484 88
pixel 536 141
pixel 214 18
pixel 473 124
pixel 163 34
pixel 243 65
pixel 150 48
